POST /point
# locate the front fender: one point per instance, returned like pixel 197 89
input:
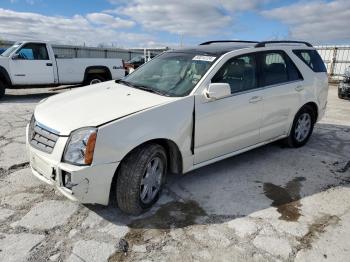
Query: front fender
pixel 172 121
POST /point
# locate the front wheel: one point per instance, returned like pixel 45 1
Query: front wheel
pixel 140 178
pixel 302 127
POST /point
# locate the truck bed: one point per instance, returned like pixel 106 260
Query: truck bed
pixel 72 70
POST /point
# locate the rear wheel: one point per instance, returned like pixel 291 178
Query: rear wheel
pixel 340 94
pixel 140 178
pixel 94 79
pixel 302 127
pixel 2 88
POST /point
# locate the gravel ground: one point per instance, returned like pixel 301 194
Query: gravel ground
pixel 269 204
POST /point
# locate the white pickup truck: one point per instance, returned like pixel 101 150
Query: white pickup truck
pixel 33 63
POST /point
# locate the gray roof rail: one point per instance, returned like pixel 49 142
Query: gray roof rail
pixel 228 41
pixel 263 44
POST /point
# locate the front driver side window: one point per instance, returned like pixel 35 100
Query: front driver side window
pixel 239 73
pixel 33 51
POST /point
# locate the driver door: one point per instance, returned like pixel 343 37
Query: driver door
pixel 231 123
pixel 32 65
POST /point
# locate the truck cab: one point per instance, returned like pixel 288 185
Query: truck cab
pixel 30 62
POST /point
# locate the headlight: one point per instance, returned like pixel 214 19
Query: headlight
pixel 80 146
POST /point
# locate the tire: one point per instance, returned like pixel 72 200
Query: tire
pixel 2 88
pixel 94 79
pixel 297 137
pixel 133 175
pixel 340 95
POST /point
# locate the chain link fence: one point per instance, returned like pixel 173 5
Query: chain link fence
pixel 63 51
pixel 336 59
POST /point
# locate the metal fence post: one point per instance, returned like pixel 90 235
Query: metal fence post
pixel 334 60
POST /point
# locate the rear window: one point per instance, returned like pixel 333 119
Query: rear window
pixel 312 59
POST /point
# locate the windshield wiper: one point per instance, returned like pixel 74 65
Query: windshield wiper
pixel 142 87
pixel 151 90
pixel 120 81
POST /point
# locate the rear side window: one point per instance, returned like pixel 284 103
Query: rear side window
pixel 312 59
pixel 276 68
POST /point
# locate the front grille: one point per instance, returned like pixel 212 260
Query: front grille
pixel 41 137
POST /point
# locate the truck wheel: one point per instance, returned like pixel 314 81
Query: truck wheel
pixel 94 79
pixel 2 88
pixel 140 178
pixel 302 127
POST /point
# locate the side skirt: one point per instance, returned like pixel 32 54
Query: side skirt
pixel 213 160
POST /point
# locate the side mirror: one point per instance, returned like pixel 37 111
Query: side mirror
pixel 15 57
pixel 218 90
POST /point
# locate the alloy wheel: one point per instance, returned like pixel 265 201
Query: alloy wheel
pixel 151 180
pixel 303 127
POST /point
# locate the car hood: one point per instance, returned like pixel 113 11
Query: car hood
pixel 94 106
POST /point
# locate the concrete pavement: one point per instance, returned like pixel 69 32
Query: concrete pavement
pixel 269 204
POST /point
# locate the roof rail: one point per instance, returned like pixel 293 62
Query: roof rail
pixel 228 41
pixel 263 44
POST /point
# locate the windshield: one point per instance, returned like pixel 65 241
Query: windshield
pixel 9 50
pixel 172 73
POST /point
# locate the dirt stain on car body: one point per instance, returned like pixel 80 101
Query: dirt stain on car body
pixel 286 199
pixel 144 230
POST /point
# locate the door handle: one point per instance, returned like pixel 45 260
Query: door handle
pixel 49 64
pixel 299 88
pixel 255 99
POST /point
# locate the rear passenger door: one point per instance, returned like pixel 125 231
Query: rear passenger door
pixel 283 87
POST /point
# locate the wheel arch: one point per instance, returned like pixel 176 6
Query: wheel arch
pixel 174 157
pixel 314 107
pixel 311 104
pixel 97 70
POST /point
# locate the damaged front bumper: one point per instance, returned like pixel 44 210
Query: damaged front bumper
pixel 86 184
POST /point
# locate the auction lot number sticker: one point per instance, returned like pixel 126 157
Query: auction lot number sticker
pixel 204 58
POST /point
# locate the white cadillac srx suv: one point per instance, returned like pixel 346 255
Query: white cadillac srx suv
pixel 183 110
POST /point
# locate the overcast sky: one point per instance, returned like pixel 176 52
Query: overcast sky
pixel 142 23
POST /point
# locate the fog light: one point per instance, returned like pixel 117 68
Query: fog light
pixel 53 174
pixel 67 180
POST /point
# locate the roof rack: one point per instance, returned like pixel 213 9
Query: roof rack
pixel 228 41
pixel 263 44
pixel 258 44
